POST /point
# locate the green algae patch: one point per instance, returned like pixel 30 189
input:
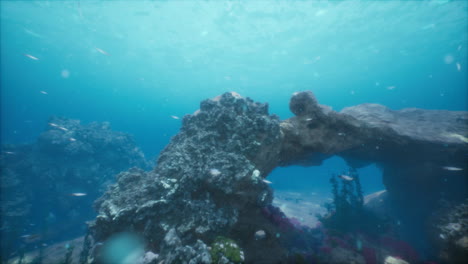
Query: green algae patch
pixel 227 248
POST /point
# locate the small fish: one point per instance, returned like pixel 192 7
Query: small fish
pixel 267 181
pixel 9 152
pixel 31 56
pixel 175 117
pixel 102 52
pixel 346 177
pixel 309 119
pixel 341 134
pixel 449 168
pixel 215 172
pixel 391 88
pixel 458 66
pixel 31 238
pixel 78 194
pixel 34 34
pixel 442 236
pixel 43 92
pixel 72 139
pixel 62 128
pixel 53 124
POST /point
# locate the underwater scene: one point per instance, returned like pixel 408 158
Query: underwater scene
pixel 234 132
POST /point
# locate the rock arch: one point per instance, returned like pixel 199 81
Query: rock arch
pixel 209 180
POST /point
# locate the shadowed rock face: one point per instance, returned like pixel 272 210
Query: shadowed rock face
pixel 208 180
pixel 37 180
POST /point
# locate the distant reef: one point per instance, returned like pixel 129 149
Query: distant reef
pixel 48 187
pixel 207 201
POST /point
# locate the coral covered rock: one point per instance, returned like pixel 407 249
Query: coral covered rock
pixel 207 183
pixel 449 232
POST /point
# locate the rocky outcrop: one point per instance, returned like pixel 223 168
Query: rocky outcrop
pixel 448 232
pixel 370 133
pixel 423 153
pixel 208 181
pixel 54 181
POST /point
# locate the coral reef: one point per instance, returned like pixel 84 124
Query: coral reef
pixel 53 182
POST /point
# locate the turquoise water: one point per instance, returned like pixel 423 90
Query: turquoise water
pixel 164 57
pixel 136 64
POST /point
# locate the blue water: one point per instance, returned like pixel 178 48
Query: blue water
pixel 136 64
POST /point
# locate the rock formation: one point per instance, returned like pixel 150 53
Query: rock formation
pixel 208 181
pixel 423 153
pixel 49 186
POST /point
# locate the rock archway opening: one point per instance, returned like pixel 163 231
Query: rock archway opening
pixel 302 192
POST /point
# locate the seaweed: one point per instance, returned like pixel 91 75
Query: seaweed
pixel 346 213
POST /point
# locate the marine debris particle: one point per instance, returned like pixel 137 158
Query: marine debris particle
pixel 260 234
pixel 346 177
pixel 215 172
pixel 65 73
pixel 394 260
pixel 255 176
pixel 31 57
pixel 448 59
